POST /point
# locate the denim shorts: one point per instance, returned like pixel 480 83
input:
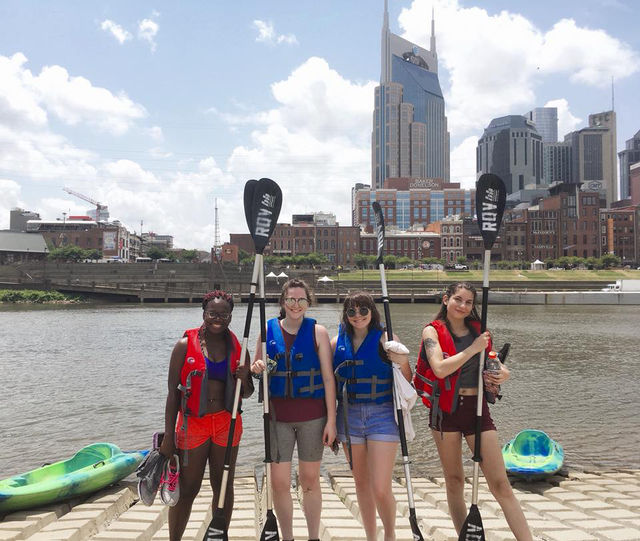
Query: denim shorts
pixel 368 421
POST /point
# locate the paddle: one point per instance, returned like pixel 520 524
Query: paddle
pixel 491 196
pixel 379 219
pixel 262 203
pixel 270 526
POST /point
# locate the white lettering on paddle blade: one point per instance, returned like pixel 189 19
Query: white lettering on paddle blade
pixel 268 200
pixel 214 534
pixel 474 533
pixel 263 222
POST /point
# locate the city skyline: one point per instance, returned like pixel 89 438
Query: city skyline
pixel 155 109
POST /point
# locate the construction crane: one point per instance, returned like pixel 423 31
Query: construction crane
pixel 99 206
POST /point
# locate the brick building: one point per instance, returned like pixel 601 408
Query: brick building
pixel 112 239
pixel 619 233
pixel 309 233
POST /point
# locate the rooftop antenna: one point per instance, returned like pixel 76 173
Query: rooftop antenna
pixel 612 96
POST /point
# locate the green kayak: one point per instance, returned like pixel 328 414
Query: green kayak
pixel 532 454
pixel 92 468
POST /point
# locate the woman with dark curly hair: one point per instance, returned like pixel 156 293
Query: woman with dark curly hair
pixel 204 366
pixel 366 423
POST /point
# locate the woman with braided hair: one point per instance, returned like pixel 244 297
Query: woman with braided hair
pixel 202 372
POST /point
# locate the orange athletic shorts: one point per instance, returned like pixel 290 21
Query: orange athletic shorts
pixel 213 426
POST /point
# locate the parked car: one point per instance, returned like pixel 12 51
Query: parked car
pixel 460 266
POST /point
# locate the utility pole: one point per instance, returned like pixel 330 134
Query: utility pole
pixel 216 252
pixel 64 225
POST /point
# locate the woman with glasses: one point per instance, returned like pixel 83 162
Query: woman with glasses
pixel 202 373
pixel 366 423
pixel 302 404
pixel 447 379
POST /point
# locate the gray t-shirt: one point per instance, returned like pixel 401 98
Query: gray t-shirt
pixel 469 374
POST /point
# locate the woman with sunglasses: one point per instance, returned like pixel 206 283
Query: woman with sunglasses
pixel 302 404
pixel 365 420
pixel 447 379
pixel 202 373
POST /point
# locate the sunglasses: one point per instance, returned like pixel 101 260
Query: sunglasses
pixel 291 301
pixel 352 312
pixel 220 316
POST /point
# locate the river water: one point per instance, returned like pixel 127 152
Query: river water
pixel 75 375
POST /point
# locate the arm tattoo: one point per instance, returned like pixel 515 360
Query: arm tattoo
pixel 429 346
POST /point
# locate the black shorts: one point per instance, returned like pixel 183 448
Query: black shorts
pixel 463 419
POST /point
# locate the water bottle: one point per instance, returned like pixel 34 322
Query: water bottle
pixel 492 364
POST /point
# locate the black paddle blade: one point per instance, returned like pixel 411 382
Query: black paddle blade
pixel 491 196
pixel 472 529
pixel 249 188
pixel 379 217
pixel 415 529
pixel 217 529
pixel 266 205
pixel 270 529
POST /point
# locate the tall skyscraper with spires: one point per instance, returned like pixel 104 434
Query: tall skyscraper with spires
pixel 410 137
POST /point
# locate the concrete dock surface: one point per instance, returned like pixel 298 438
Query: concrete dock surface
pixel 572 506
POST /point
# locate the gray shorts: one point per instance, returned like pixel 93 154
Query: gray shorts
pixel 308 434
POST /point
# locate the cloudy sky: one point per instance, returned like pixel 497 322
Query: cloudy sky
pixel 157 108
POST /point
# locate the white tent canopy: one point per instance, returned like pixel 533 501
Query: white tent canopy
pixel 271 275
pixel 537 265
pixel 325 278
pixel 282 275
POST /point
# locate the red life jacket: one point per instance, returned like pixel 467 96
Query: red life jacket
pixel 444 396
pixel 193 378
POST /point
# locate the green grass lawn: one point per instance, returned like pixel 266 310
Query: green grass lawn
pixel 476 275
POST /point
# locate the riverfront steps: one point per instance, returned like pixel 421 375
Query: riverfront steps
pixel 575 506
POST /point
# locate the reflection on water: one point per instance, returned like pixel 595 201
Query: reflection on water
pixel 77 375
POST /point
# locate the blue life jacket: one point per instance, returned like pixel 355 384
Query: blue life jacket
pixel 363 376
pixel 297 374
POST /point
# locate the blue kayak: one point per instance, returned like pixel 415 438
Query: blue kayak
pixel 532 454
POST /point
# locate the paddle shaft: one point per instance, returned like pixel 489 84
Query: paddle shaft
pixel 265 391
pixel 477 457
pixel 417 535
pixel 257 264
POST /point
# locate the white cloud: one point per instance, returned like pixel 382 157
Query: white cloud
pixel 566 121
pixel 147 31
pixel 267 34
pixel 10 191
pixel 463 162
pixel 120 34
pixel 315 143
pixel 495 62
pixel 27 100
pixel 156 133
pixel 75 100
pixel 19 105
pixel 589 56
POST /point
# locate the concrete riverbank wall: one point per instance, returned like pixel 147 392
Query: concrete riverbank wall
pixel 186 282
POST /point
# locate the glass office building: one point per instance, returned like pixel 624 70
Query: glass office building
pixel 409 137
